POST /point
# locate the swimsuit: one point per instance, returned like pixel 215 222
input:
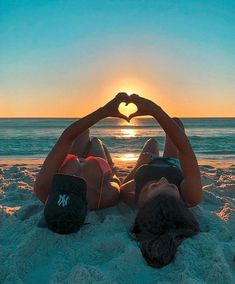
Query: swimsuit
pixel 156 169
pixel 102 163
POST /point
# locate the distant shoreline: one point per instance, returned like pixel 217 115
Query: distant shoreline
pixel 120 163
pixel 146 117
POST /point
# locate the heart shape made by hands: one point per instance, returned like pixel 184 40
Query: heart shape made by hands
pixel 127 109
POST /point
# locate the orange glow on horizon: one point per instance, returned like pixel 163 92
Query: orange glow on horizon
pixel 78 100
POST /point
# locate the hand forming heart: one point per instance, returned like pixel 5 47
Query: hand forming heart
pixel 127 107
pixel 136 105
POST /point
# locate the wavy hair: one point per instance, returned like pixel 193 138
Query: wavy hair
pixel 160 227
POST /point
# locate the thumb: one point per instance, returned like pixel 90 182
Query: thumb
pixel 124 117
pixel 134 114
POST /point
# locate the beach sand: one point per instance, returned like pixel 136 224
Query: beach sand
pixel 102 251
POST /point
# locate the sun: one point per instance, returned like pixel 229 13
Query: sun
pixel 130 91
pixel 127 110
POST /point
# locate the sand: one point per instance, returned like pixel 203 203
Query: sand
pixel 102 251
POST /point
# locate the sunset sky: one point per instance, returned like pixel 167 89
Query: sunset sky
pixel 67 58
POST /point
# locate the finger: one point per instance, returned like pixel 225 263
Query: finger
pixel 122 96
pixel 124 117
pixel 137 113
pixel 134 97
pixel 121 93
pixel 128 101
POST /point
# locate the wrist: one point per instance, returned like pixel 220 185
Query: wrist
pixel 100 113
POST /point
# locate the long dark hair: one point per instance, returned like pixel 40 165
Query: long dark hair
pixel 160 227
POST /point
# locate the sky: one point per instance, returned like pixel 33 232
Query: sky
pixel 68 58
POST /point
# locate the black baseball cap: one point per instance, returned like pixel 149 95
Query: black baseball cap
pixel 66 206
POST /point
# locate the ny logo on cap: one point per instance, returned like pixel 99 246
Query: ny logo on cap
pixel 63 200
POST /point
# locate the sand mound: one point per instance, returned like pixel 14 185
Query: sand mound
pixel 103 252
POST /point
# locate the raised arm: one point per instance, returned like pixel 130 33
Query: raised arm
pixel 58 153
pixel 191 187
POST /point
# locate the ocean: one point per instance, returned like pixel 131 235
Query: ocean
pixel 33 138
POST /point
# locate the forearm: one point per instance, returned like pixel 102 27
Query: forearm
pixel 79 126
pixel 172 129
pixel 64 143
pixel 58 153
pixel 62 147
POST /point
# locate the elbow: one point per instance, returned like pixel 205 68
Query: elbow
pixel 192 202
pixel 35 190
pixel 38 192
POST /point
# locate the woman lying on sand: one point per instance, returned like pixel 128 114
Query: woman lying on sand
pixel 77 174
pixel 163 188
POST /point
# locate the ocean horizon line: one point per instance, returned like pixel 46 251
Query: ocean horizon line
pixel 139 117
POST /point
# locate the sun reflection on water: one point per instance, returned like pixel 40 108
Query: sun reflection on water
pixel 128 157
pixel 128 132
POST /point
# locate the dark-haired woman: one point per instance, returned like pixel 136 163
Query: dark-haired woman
pixel 163 188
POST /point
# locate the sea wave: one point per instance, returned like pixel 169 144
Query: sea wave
pixel 30 137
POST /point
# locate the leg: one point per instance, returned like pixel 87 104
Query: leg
pixel 99 149
pixel 79 148
pixel 96 148
pixel 151 146
pixel 111 183
pixel 108 156
pixel 115 177
pixel 170 149
pixel 81 144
